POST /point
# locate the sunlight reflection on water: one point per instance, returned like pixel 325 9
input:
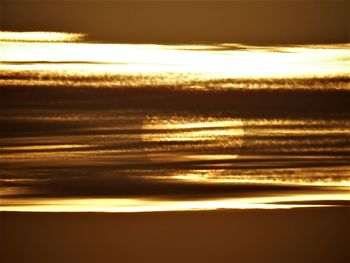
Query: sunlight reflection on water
pixel 61 151
pixel 193 62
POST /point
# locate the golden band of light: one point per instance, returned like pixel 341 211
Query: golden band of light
pixel 38 36
pixel 148 205
pixel 205 61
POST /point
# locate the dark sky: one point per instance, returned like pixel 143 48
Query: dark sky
pixel 165 21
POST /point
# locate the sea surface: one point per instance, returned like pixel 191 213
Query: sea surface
pixel 128 128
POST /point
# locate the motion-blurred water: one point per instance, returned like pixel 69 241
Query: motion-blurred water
pixel 139 140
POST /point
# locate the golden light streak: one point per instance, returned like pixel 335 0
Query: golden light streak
pixel 38 36
pixel 122 205
pixel 215 177
pixel 42 147
pixel 199 61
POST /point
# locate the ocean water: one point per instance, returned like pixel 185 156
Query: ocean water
pixel 127 128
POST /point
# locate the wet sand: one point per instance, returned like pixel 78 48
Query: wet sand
pixel 290 235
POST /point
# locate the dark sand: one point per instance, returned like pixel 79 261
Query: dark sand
pixel 295 235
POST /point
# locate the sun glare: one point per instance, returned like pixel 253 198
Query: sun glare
pixel 48 52
pixel 191 138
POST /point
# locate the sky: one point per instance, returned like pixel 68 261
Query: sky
pixel 250 22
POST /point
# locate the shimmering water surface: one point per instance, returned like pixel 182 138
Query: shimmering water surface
pixel 127 128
